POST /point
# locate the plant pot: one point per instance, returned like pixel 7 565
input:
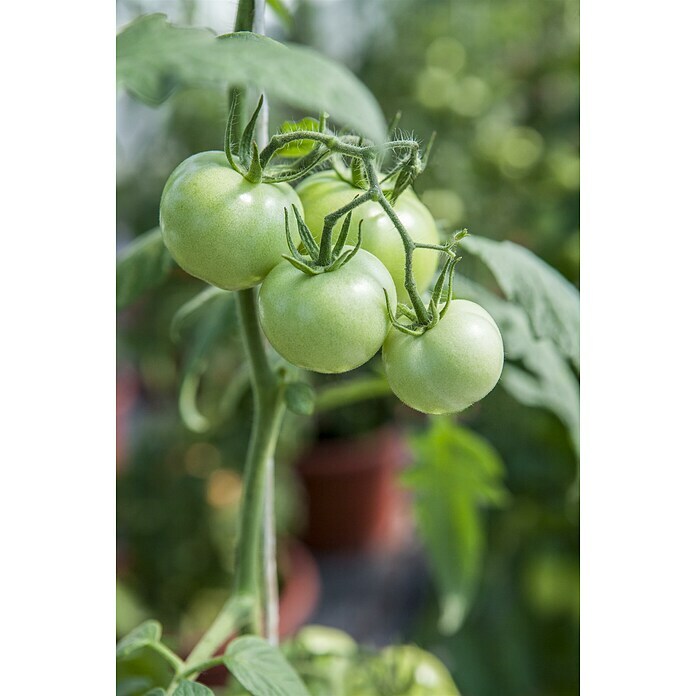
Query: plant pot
pixel 352 497
pixel 298 599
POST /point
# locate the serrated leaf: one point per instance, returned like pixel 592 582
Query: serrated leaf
pixel 300 398
pixel 262 669
pixel 153 58
pixel 454 475
pixel 551 302
pixel 143 265
pixel 149 631
pixel 189 688
pixel 551 384
pixel 546 381
pixel 298 148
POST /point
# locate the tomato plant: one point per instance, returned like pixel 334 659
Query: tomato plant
pixel 448 367
pixel 355 276
pixel 326 191
pixel 329 322
pixel 219 226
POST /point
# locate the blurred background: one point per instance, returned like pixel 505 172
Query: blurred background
pixel 498 82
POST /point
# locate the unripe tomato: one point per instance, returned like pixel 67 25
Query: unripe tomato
pixel 325 192
pixel 331 322
pixel 449 367
pixel 220 227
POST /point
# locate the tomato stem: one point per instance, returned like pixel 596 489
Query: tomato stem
pixel 349 392
pixel 330 221
pixel 409 245
pixel 410 166
pixel 256 537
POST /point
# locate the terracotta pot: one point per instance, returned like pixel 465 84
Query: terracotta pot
pixel 352 498
pixel 298 599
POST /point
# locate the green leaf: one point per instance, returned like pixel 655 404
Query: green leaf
pixel 282 12
pixel 143 663
pixel 550 384
pixel 298 148
pixel 153 58
pixel 143 265
pixel 149 631
pixel 189 688
pixel 204 321
pixel 212 300
pixel 262 669
pixel 300 398
pixel 550 301
pixel 142 670
pixel 454 475
pixel 159 691
pixel 547 381
pixel 407 664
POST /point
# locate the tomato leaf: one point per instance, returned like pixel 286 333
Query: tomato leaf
pixel 551 302
pixel 262 669
pixel 454 475
pixel 202 325
pixel 143 663
pixel 298 148
pixel 154 58
pixel 300 398
pixel 189 688
pixel 282 12
pixel 551 385
pixel 407 664
pixel 143 265
pixel 542 376
pixel 207 319
pixel 149 631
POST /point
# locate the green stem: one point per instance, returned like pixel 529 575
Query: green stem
pixel 350 392
pixel 244 21
pixel 335 144
pixel 234 613
pixel 367 154
pixel 409 245
pixel 201 667
pixel 268 414
pixel 242 610
pixel 331 219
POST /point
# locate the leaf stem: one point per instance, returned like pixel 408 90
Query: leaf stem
pixel 352 391
pixel 409 245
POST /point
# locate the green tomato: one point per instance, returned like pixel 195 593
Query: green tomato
pixel 331 322
pixel 325 192
pixel 449 367
pixel 220 227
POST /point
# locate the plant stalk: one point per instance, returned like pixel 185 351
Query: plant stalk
pixel 243 610
pixel 352 391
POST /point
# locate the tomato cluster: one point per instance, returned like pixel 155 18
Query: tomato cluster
pixel 233 234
